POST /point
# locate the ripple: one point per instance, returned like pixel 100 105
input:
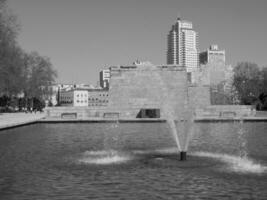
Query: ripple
pixel 236 164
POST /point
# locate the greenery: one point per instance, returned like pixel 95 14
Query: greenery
pixel 250 83
pixel 22 74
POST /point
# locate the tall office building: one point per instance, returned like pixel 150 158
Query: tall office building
pixel 183 45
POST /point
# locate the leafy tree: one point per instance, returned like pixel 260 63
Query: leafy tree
pixel 10 53
pixel 264 79
pixel 41 76
pixel 247 82
pixel 262 99
pixel 20 72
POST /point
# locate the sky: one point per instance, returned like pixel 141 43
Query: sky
pixel 81 37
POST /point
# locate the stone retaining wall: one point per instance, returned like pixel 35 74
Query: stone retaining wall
pixel 225 111
pixel 154 87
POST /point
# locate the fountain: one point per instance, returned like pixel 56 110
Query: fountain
pixel 166 88
pixel 241 139
pixel 184 125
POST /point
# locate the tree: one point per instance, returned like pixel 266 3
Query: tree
pixel 264 79
pixel 262 99
pixel 247 82
pixel 10 52
pixel 41 76
pixel 21 72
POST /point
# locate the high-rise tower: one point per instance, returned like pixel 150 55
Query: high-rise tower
pixel 183 45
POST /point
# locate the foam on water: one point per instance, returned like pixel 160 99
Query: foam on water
pixel 236 163
pixel 104 157
pixel 99 153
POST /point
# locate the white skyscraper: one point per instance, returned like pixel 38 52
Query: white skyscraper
pixel 183 45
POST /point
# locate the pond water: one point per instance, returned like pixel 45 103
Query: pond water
pixel 133 161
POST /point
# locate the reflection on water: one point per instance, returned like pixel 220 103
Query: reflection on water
pixel 132 161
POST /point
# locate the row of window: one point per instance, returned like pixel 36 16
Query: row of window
pixel 103 95
pixel 92 105
pixel 100 101
pixel 95 99
pixel 216 53
pixel 85 95
pixel 103 103
pixel 66 102
pixel 90 99
pixel 78 101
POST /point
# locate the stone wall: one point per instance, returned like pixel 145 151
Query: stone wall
pixel 147 86
pixel 225 111
pixel 79 112
pixel 199 96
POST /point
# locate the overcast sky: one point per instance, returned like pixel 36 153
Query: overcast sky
pixel 83 36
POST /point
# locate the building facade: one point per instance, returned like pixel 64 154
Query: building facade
pixel 104 78
pixel 74 97
pixel 215 73
pixel 182 46
pixel 212 55
pixel 98 98
pixel 213 69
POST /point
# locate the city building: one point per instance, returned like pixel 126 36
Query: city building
pixel 63 86
pixel 98 97
pixel 52 99
pixel 212 55
pixel 214 71
pixel 182 46
pixel 104 78
pixel 73 97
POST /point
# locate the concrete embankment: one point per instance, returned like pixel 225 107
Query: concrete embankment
pixel 223 113
pixel 11 120
pixel 102 120
pixel 229 119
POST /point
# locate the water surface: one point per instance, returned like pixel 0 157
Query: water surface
pixel 132 161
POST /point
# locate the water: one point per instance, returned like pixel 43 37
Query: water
pixel 173 130
pixel 74 161
pixel 169 112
